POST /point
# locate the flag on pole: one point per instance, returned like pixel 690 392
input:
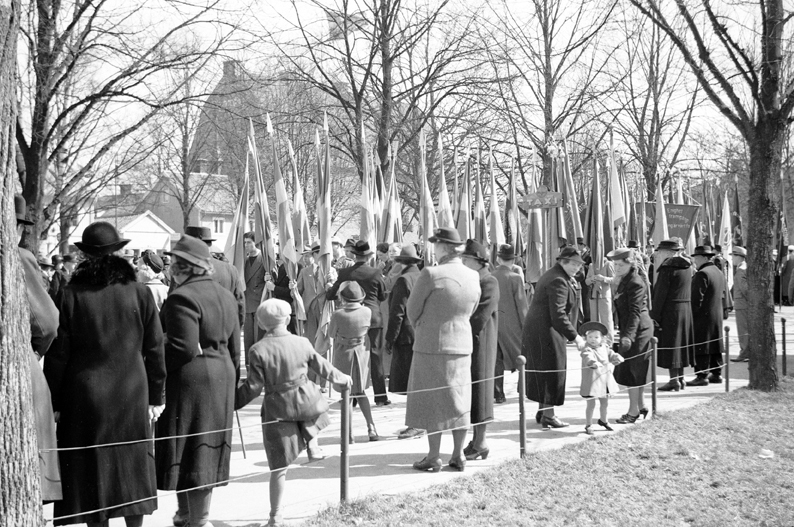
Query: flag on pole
pixel 463 219
pixel 300 218
pixel 427 213
pixel 596 226
pixel 235 246
pixel 480 226
pixel 736 216
pixel 445 217
pixel 513 234
pixel 455 189
pixel 534 258
pixel 726 241
pixel 367 230
pixel 660 231
pixel 572 220
pixel 263 229
pixel 322 342
pixel 497 233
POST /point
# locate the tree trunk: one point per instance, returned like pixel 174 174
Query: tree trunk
pixel 765 159
pixel 20 491
pixel 387 62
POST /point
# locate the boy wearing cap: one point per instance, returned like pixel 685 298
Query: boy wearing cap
pixel 598 380
pixel 740 305
pixel 348 328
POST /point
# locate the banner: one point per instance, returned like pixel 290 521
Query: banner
pixel 681 218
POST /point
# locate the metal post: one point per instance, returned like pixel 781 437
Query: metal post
pixel 727 359
pixel 344 461
pixel 654 345
pixel 522 416
pixel 240 429
pixel 783 321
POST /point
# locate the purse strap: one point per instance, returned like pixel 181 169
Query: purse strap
pixel 286 386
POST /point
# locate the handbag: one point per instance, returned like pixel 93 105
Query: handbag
pixel 296 400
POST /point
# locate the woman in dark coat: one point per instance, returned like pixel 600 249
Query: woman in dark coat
pixel 671 312
pixel 550 324
pixel 400 334
pixel 106 373
pixel 636 331
pixel 485 334
pixel 202 356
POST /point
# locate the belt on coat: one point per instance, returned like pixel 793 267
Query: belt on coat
pixel 679 300
pixel 286 386
pixel 349 341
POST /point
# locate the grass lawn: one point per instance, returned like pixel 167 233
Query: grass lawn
pixel 699 466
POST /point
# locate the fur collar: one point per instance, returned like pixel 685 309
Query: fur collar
pixel 103 271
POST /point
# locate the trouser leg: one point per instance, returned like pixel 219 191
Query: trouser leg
pixel 199 506
pixel 376 367
pixel 499 380
pixel 249 332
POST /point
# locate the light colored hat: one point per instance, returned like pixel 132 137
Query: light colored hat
pixel 739 251
pixel 273 312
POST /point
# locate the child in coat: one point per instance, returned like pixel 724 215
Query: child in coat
pixel 348 328
pixel 598 381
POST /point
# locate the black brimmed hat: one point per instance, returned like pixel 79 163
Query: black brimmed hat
pixel 506 252
pixel 202 233
pixel 352 292
pixel 101 238
pixel 593 325
pixel 704 250
pixel 446 235
pixel 571 254
pixel 476 250
pixel 361 248
pixel 670 245
pixel 21 209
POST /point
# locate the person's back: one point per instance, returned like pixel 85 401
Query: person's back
pixel 350 322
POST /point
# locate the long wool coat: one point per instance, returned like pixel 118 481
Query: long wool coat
pixel 104 369
pixel 550 324
pixel 672 313
pixel 631 304
pixel 348 328
pixel 43 330
pixel 399 331
pixel 513 309
pixel 708 286
pixel 371 281
pixel 202 354
pixel 485 334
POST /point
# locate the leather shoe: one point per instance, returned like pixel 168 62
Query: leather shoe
pixel 500 400
pixel 179 520
pixel 698 381
pixel 410 433
pixel 458 463
pixel 671 386
pixel 715 379
pixel 741 358
pixel 552 422
pixel 538 417
pixel 472 453
pixel 428 465
pixel 381 404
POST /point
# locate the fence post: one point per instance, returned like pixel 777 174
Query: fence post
pixel 727 359
pixel 783 321
pixel 522 416
pixel 344 462
pixel 654 351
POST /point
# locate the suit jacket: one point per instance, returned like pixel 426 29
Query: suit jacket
pixel 442 301
pixel 371 281
pixel 254 282
pixel 399 330
pixel 227 276
pixel 708 286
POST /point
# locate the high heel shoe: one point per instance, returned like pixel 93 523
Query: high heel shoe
pixel 671 386
pixel 643 412
pixel 472 453
pixel 428 465
pixel 588 429
pixel 458 463
pixel 606 425
pixel 373 434
pixel 552 422
pixel 626 419
pixel 539 416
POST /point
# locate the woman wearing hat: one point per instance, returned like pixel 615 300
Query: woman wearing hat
pixel 636 330
pixel 485 333
pixel 279 363
pixel 202 356
pixel 671 312
pixel 439 386
pixel 106 371
pixel 550 324
pixel 399 339
pixel 150 272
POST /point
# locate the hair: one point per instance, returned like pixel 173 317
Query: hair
pixel 449 249
pixel 248 236
pixel 194 270
pixel 383 247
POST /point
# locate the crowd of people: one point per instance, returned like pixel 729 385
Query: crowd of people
pixel 136 340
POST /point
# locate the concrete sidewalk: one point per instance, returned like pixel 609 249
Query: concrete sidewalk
pixel 384 467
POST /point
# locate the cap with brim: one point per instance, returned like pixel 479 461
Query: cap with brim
pixel 336 240
pixel 624 253
pixel 593 325
pixel 202 233
pixel 506 252
pixel 273 312
pixel 476 251
pixel 408 255
pixel 669 245
pixel 154 262
pixel 570 254
pixel 43 263
pixel 350 243
pixel 739 251
pixel 703 250
pixel 446 235
pixel 633 244
pixel 21 209
pixel 101 238
pixel 351 292
pixel 192 250
pixel 361 248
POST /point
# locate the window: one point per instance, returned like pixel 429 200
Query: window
pixel 218 225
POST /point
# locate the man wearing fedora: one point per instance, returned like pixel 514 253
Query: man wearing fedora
pixel 59 276
pixel 740 304
pixel 708 287
pixel 43 329
pixel 371 281
pixel 311 287
pixel 513 308
pixel 254 273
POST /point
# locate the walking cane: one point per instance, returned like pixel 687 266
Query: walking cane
pixel 240 429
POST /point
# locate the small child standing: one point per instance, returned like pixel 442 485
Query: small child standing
pixel 598 381
pixel 348 328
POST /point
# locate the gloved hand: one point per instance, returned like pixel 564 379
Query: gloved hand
pixel 625 344
pixel 616 359
pixel 580 342
pixel 155 412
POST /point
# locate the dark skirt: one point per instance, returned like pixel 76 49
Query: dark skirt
pixel 483 363
pixel 633 371
pixel 402 355
pixel 545 349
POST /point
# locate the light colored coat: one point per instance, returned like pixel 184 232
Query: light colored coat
pixel 348 328
pixel 441 303
pixel 513 309
pixel 598 382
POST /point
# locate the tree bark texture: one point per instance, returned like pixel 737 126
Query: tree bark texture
pixel 20 492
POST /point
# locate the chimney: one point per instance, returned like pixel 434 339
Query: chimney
pixel 231 69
